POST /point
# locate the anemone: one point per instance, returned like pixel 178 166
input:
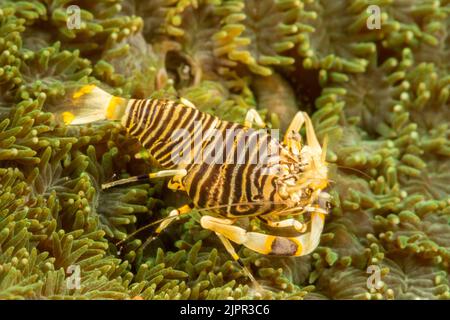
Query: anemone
pixel 52 71
pixel 410 278
pixel 430 181
pixel 50 172
pixel 14 194
pixel 131 58
pixel 430 92
pixel 380 95
pixel 11 28
pixel 28 130
pixel 199 272
pixel 20 273
pixel 203 271
pixel 76 182
pixel 370 99
pixel 344 283
pixel 100 24
pixel 95 286
pixel 415 23
pixel 356 150
pixel 16 279
pixel 327 47
pixel 116 208
pixel 155 15
pixel 276 95
pixel 31 275
pixel 215 98
pixel 347 245
pixel 33 14
pixel 28 10
pixel 356 205
pixel 193 24
pixel 259 40
pixel 35 40
pixel 434 47
pixel 420 232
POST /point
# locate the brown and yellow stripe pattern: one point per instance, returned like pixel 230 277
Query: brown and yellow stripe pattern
pixel 234 176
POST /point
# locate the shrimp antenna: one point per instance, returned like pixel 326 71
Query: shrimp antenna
pixel 356 170
pixel 198 210
pixel 142 229
pixel 324 156
pixel 324 148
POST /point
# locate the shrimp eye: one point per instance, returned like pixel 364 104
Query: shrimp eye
pixel 324 200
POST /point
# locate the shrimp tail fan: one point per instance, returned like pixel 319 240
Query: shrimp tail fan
pixel 87 104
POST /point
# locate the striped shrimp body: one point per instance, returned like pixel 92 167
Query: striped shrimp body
pixel 231 170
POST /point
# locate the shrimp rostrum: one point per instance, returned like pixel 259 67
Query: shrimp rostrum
pixel 230 171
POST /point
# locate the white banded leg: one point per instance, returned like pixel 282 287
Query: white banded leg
pixel 269 244
pixel 173 215
pixel 292 139
pixel 297 225
pixel 144 177
pixel 253 117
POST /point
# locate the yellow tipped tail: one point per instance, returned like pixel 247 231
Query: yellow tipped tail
pixel 84 90
pixel 89 104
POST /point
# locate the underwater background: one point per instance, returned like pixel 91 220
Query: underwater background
pixel 381 94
